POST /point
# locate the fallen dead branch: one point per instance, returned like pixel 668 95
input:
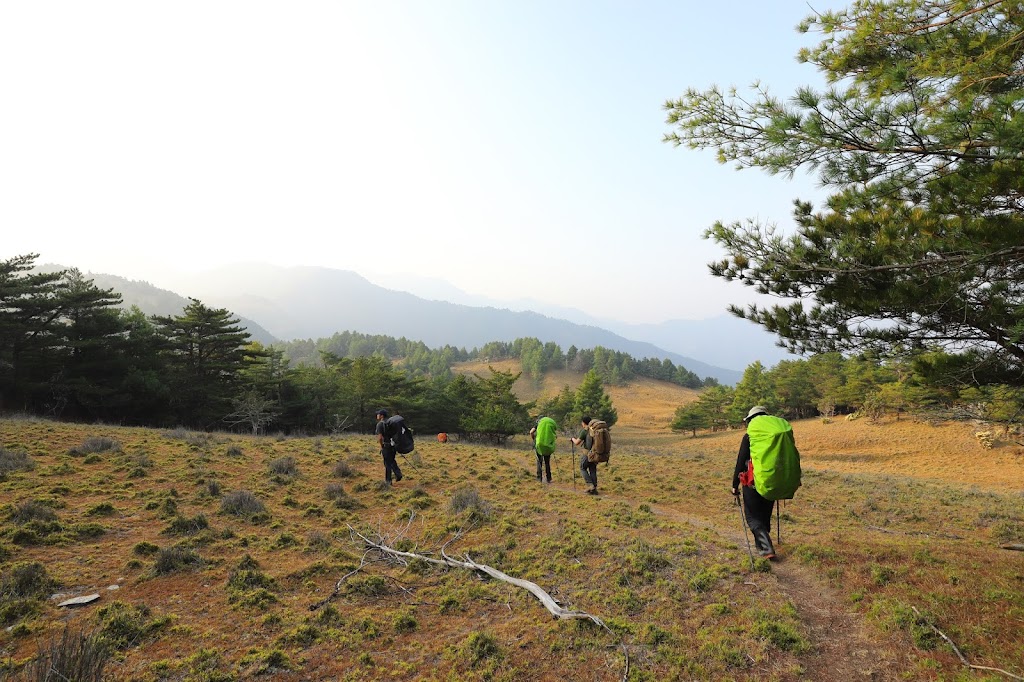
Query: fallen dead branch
pixel 1013 546
pixel 549 603
pixel 959 655
pixel 553 607
pixel 341 581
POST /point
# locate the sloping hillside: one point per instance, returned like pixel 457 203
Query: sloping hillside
pixel 643 403
pixel 226 557
pixel 948 451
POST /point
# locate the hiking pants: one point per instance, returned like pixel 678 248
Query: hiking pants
pixel 545 461
pixel 758 510
pixel 589 470
pixel 391 464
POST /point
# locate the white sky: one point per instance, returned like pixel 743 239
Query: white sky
pixel 495 144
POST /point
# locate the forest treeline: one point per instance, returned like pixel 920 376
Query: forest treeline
pixel 868 385
pixel 535 357
pixel 69 351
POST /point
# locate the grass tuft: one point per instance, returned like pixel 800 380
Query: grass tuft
pixel 94 444
pixel 467 501
pixel 14 460
pixel 76 655
pixel 242 503
pixel 173 559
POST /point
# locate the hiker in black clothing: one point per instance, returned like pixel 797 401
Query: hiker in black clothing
pixel 757 509
pixel 587 467
pixel 387 449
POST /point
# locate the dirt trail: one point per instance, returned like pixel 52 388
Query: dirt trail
pixel 841 648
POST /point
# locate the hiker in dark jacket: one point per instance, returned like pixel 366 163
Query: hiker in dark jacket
pixel 588 468
pixel 757 509
pixel 387 449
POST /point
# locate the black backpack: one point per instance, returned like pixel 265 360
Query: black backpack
pixel 399 433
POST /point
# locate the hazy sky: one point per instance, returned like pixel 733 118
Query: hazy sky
pixel 510 147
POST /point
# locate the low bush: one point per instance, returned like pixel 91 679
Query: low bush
pixel 172 559
pixel 336 493
pixel 284 466
pixel 95 444
pixel 468 500
pixel 181 525
pixel 124 625
pixel 32 510
pixel 480 646
pixel 76 655
pixel 26 579
pixel 241 503
pixel 14 460
pixel 343 470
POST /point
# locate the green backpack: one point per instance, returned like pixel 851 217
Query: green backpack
pixel 546 435
pixel 774 457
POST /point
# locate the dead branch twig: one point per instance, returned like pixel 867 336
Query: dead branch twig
pixel 341 581
pixel 546 599
pixel 963 660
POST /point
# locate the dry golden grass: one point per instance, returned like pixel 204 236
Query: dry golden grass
pixel 644 403
pixel 891 516
pixel 944 452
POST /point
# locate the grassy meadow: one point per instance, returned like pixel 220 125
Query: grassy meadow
pixel 226 557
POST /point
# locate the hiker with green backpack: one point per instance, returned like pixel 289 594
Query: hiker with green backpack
pixel 544 435
pixel 767 469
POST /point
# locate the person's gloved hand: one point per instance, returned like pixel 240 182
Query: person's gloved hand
pixel 735 491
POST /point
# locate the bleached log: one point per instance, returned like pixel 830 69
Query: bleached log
pixel 533 588
pixel 959 655
pixel 553 607
pixel 546 599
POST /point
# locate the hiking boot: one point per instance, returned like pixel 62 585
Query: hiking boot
pixel 398 477
pixel 591 491
pixel 763 540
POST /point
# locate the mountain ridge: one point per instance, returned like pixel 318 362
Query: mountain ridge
pixel 292 306
pixel 306 302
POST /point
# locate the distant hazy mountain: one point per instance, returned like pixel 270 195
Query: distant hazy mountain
pixel 723 341
pixel 313 302
pixel 154 301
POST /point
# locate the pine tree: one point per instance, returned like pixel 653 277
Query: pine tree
pixel 921 243
pixel 592 401
pixel 206 352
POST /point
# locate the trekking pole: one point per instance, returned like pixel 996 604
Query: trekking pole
pixel 573 463
pixel 778 523
pixel 409 461
pixel 743 522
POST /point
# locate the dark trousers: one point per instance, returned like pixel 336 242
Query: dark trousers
pixel 758 511
pixel 391 464
pixel 589 470
pixel 545 462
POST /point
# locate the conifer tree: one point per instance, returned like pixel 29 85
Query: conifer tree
pixel 921 243
pixel 497 413
pixel 30 308
pixel 206 351
pixel 592 401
